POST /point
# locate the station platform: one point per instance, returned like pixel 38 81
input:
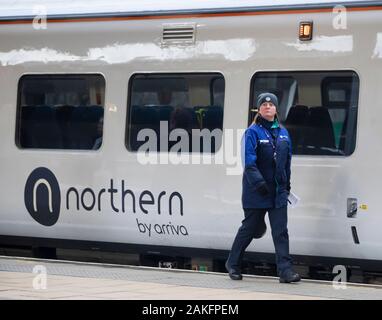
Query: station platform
pixel 31 279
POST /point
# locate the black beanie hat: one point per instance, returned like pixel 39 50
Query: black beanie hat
pixel 267 97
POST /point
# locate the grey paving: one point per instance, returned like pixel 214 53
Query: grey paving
pixel 73 280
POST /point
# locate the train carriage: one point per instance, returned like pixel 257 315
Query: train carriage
pixel 77 92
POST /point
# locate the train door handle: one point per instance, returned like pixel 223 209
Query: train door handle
pixel 352 207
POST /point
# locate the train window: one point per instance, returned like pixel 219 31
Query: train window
pixel 182 112
pixel 60 111
pixel 319 108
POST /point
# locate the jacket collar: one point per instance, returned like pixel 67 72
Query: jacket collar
pixel 268 124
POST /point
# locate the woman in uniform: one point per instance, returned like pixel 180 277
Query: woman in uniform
pixel 266 186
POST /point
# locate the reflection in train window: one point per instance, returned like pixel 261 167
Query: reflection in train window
pixel 318 108
pixel 175 112
pixel 60 111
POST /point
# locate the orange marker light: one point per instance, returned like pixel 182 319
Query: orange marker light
pixel 306 30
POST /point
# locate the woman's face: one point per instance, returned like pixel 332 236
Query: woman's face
pixel 267 110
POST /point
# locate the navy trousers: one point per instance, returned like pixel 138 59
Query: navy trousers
pixel 253 218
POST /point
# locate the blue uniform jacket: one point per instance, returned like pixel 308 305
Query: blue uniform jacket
pixel 260 166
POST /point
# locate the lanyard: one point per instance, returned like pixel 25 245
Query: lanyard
pixel 272 140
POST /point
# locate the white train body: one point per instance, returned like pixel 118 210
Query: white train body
pixel 237 46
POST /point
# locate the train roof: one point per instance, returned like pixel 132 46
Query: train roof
pixel 30 8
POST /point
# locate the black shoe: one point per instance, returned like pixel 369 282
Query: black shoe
pixel 233 273
pixel 290 276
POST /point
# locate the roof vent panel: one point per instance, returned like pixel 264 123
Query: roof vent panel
pixel 178 34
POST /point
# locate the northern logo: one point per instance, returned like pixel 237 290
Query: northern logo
pixel 42 196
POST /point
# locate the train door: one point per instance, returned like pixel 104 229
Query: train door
pixel 319 110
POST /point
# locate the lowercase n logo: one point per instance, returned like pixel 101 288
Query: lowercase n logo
pixel 42 196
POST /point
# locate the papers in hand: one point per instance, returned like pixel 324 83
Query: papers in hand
pixel 293 199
